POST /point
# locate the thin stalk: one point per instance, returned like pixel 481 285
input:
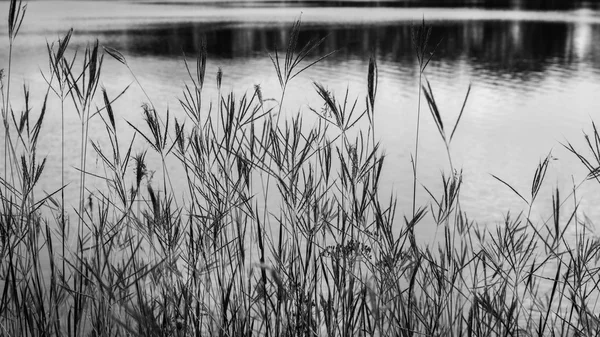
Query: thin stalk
pixel 416 159
pixel 82 165
pixel 62 172
pixel 7 139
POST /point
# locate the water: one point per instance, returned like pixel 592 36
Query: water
pixel 534 76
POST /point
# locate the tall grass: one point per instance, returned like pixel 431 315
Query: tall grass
pixel 283 230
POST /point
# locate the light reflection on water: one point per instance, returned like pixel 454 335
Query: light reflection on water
pixel 534 77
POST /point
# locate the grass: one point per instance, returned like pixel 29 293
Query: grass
pixel 283 232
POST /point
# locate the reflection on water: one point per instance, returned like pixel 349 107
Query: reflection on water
pixel 514 48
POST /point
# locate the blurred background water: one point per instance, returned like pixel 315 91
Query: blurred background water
pixel 534 67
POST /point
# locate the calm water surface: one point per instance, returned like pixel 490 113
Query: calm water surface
pixel 535 78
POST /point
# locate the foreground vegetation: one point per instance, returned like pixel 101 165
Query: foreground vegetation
pixel 283 230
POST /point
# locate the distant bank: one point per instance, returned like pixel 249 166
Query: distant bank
pixel 489 4
pixel 498 4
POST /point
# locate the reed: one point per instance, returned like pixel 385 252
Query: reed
pixel 283 229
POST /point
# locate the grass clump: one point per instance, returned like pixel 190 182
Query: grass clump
pixel 283 230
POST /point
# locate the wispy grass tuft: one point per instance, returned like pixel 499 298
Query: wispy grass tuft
pixel 282 230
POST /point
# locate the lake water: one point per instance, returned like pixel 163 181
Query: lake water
pixel 535 77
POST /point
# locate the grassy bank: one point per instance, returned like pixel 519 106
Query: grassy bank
pixel 283 230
